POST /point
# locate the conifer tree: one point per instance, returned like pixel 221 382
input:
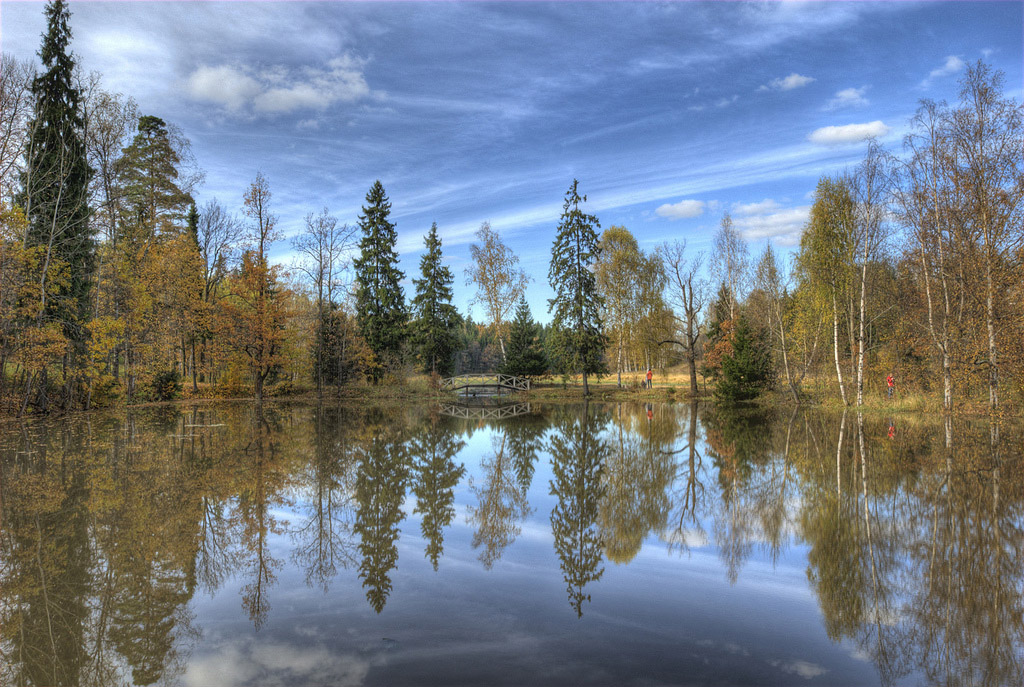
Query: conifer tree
pixel 56 179
pixel 436 320
pixel 380 300
pixel 525 357
pixel 578 338
pixel 747 370
pixel 149 175
pixel 193 224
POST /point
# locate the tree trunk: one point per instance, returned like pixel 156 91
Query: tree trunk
pixel 860 330
pixel 835 349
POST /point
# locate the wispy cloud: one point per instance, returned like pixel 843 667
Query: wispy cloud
pixel 684 209
pixel 849 133
pixel 760 208
pixel 766 220
pixel 848 97
pixel 716 105
pixel 952 65
pixel 787 83
pixel 278 90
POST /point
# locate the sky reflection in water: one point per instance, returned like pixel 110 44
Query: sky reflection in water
pixel 569 545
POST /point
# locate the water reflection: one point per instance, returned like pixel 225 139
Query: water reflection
pixel 910 532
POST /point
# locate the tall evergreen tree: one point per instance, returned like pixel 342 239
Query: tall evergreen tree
pixel 380 300
pixel 525 357
pixel 579 341
pixel 435 327
pixel 56 179
pixel 149 175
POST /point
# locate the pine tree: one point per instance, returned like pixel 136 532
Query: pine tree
pixel 380 300
pixel 56 178
pixel 525 357
pixel 747 371
pixel 435 328
pixel 578 339
pixel 149 175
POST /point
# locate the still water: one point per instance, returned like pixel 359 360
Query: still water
pixel 545 545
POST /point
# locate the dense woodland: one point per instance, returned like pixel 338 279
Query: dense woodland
pixel 115 287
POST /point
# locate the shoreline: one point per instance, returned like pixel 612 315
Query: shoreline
pixel 554 393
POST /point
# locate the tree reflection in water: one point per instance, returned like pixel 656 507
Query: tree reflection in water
pixel 109 524
pixel 380 490
pixel 578 453
pixel 432 451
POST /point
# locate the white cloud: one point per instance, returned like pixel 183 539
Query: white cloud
pixel 277 90
pixel 224 85
pixel 787 83
pixel 952 65
pixel 848 97
pixel 782 225
pixel 274 664
pixel 760 208
pixel 682 210
pixel 804 669
pixel 850 133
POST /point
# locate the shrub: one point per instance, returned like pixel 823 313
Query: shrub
pixel 166 385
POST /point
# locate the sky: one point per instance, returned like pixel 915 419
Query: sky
pixel 669 114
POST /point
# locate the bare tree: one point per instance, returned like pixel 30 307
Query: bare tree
pixel 686 294
pixel 923 199
pixel 16 104
pixel 730 261
pixel 871 193
pixel 110 121
pixel 321 249
pixel 770 281
pixel 500 282
pixel 987 138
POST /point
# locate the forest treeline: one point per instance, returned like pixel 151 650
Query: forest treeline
pixel 116 287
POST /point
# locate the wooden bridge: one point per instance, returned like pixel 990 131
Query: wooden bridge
pixel 496 383
pixel 485 412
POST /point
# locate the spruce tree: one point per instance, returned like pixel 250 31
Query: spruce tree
pixel 380 301
pixel 56 178
pixel 747 371
pixel 435 328
pixel 578 340
pixel 525 357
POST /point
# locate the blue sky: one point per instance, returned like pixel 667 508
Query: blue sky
pixel 669 114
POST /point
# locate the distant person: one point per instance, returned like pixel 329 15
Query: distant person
pixel 892 384
pixel 649 376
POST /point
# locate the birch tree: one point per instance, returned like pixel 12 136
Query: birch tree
pixel 499 280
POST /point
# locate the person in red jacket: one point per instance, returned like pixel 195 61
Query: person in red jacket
pixel 649 376
pixel 891 382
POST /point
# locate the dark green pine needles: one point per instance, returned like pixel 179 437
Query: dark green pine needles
pixel 578 342
pixel 525 357
pixel 56 177
pixel 436 320
pixel 380 301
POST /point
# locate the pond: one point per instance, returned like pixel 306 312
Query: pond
pixel 597 544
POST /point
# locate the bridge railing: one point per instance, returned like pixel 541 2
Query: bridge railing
pixel 496 380
pixel 485 412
